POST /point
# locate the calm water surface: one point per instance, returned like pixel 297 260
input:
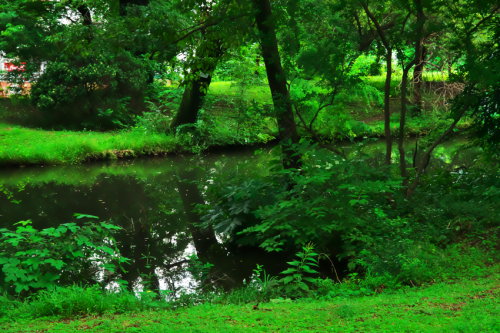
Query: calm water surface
pixel 143 196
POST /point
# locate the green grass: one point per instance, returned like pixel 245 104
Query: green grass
pixel 466 306
pixel 229 90
pixel 21 146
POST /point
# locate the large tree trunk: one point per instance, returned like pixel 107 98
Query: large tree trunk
pixel 195 92
pixel 86 15
pixel 192 101
pixel 277 81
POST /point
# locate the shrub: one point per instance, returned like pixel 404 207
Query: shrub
pixel 98 90
pixel 68 254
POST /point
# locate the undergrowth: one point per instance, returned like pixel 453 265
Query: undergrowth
pixel 427 267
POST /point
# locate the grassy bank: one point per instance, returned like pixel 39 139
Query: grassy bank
pixel 465 306
pixel 224 122
pixel 22 146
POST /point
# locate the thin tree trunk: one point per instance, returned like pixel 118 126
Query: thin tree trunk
pixel 418 78
pixel 387 88
pixel 404 84
pixel 402 159
pixel 427 155
pixel 387 108
pixel 277 81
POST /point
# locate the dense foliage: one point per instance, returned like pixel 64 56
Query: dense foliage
pixel 340 219
pixel 33 260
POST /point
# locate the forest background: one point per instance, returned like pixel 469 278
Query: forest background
pixel 149 77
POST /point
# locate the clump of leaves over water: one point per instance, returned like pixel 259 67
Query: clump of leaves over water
pixel 34 259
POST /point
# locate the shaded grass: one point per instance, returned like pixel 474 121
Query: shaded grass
pixel 467 306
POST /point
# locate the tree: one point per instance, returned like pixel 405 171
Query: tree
pixel 277 80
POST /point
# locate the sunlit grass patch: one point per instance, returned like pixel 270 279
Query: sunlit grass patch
pixel 19 145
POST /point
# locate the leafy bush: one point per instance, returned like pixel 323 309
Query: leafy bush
pixel 33 259
pixel 91 91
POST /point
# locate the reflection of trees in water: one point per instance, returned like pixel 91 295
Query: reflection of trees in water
pixel 448 155
pixel 156 212
pixel 148 231
pixel 156 237
pixel 152 212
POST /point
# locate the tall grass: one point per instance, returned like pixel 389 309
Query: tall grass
pixel 72 302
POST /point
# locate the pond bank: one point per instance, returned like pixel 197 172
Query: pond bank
pixel 21 146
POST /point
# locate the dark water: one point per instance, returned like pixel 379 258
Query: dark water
pixel 143 197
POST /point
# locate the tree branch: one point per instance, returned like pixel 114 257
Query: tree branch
pixel 204 27
pixel 378 27
pixel 483 20
pixel 185 261
pixel 314 134
pixel 427 155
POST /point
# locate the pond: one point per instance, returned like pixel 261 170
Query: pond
pixel 145 198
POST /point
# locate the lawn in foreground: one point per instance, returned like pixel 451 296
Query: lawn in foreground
pixel 469 306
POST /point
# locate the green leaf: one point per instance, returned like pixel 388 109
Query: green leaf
pixel 287 279
pixel 24 223
pixel 60 230
pixel 110 226
pixel 294 263
pixel 310 279
pixel 14 261
pixel 78 253
pixel 21 286
pixel 72 227
pixel 106 249
pixel 288 271
pixel 303 286
pixel 81 239
pixel 55 263
pixel 307 269
pixel 80 216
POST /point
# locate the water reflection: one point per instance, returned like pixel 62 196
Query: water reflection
pixel 152 200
